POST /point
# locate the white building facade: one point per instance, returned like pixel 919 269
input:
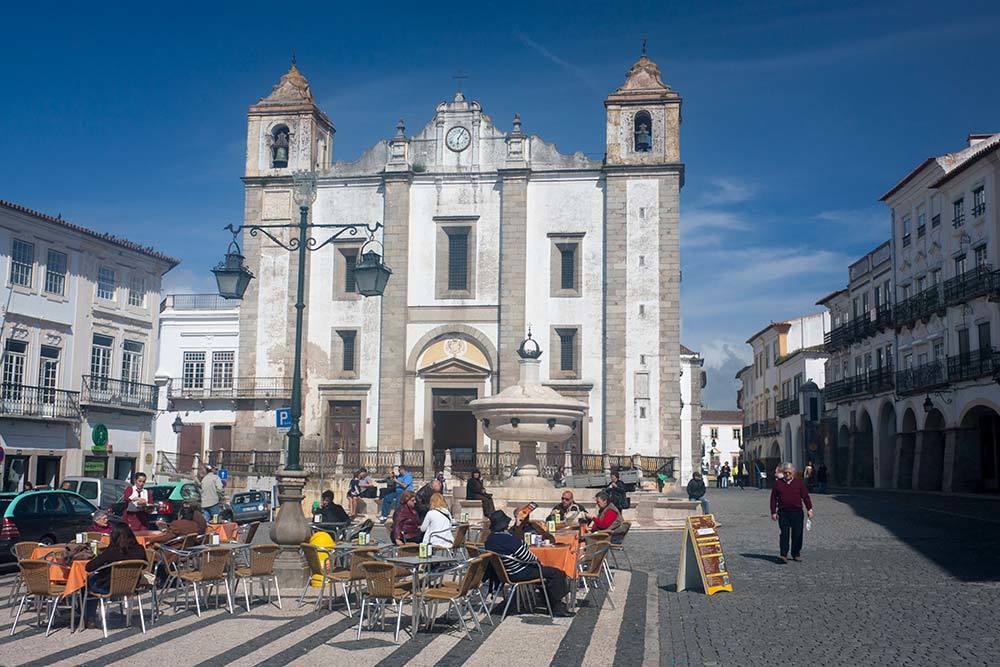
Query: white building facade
pixel 487 232
pixel 79 327
pixel 720 438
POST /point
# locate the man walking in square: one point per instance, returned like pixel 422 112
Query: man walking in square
pixel 787 497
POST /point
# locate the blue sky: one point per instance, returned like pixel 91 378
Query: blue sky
pixel 797 117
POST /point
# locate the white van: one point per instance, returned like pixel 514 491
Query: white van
pixel 102 491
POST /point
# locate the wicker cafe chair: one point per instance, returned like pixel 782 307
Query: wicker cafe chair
pixel 352 575
pixel 317 568
pixel 477 588
pixel 602 537
pixel 261 569
pixel 214 562
pixel 148 579
pixel 246 532
pixel 34 574
pixel 459 594
pixel 20 551
pixel 94 536
pixel 617 544
pixel 125 576
pixel 591 566
pixel 480 541
pixel 519 588
pixel 380 591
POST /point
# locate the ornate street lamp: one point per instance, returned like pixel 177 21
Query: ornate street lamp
pixel 178 425
pixel 290 528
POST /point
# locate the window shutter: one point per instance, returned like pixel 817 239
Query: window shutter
pixel 566 360
pixel 458 260
pixel 348 340
pixel 568 257
pixel 350 261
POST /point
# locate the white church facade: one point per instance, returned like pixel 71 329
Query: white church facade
pixel 488 232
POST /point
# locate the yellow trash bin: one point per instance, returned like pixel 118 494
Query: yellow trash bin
pixel 320 539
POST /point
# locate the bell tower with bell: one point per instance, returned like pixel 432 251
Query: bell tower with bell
pixel 643 176
pixel 287 132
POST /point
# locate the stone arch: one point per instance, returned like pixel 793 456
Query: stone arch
pixel 976 464
pixel 863 452
pixel 928 462
pixel 906 447
pixel 886 445
pixel 842 452
pixel 471 334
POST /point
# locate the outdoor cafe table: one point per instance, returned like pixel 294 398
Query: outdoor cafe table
pixel 414 564
pixel 74 575
pixel 227 531
pixel 334 528
pixel 560 556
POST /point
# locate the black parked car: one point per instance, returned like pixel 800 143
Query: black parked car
pixel 48 517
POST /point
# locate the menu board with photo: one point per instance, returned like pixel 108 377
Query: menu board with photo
pixel 702 563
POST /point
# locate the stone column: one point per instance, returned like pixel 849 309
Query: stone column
pixel 613 391
pixel 289 531
pixel 670 319
pixel 393 408
pixel 852 445
pixel 513 270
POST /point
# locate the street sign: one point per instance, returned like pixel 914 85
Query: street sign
pixel 223 474
pixel 702 563
pixel 99 436
pixel 283 417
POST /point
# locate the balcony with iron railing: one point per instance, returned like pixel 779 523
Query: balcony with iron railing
pixel 44 403
pixel 198 302
pixel 858 329
pixel 919 307
pixel 761 429
pixel 921 378
pixel 972 365
pixel 787 407
pixel 980 281
pixel 232 388
pixel 869 383
pixel 118 394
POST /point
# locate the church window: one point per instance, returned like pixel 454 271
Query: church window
pixel 565 264
pixel 568 267
pixel 279 147
pixel 455 265
pixel 345 287
pixel 565 362
pixel 348 362
pixel 643 132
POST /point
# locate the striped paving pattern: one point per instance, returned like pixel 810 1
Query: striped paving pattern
pixel 302 636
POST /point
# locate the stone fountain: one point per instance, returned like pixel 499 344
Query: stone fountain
pixel 528 413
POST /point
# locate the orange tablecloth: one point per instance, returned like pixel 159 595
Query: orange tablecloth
pixel 226 531
pixel 75 575
pixel 560 556
pixel 144 537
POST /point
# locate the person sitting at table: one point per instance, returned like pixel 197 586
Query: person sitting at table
pixel 436 525
pixel 101 523
pixel 424 496
pixel 184 524
pixel 403 482
pixel 137 500
pixel 475 490
pixel 405 523
pixel 522 565
pixel 567 511
pixel 331 511
pixel 357 489
pixel 609 517
pixel 123 546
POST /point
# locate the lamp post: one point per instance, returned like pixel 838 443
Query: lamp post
pixel 233 277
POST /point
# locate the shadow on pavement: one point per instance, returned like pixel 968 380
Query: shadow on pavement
pixel 769 558
pixel 960 535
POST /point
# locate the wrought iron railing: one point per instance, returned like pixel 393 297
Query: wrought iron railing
pixel 921 378
pixel 18 400
pixel 972 365
pixel 980 281
pixel 787 407
pixel 918 307
pixel 250 387
pixel 872 382
pixel 198 302
pixel 104 391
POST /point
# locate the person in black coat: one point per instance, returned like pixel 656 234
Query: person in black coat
pixel 617 491
pixel 424 496
pixel 474 490
pixel 696 490
pixel 123 546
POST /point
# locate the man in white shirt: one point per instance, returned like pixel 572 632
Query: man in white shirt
pixel 211 493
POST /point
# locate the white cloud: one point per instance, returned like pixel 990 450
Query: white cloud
pixel 866 224
pixel 697 218
pixel 579 73
pixel 187 281
pixel 727 190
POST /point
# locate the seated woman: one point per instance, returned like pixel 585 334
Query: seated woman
pixel 123 546
pixel 437 524
pixel 609 517
pixel 474 490
pixel 184 524
pixel 101 523
pixel 405 524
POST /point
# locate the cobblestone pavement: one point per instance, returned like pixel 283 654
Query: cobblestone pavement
pixel 886 578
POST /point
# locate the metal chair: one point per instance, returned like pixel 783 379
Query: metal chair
pixel 591 566
pixel 20 551
pixel 463 590
pixel 125 575
pixel 458 541
pixel 34 574
pixel 352 531
pixel 617 544
pixel 261 568
pixel 214 563
pixel 518 588
pixel 317 568
pixel 352 575
pixel 381 591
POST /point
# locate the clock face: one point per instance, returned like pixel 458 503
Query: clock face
pixel 457 139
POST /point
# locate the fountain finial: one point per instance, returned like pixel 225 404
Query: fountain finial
pixel 529 347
